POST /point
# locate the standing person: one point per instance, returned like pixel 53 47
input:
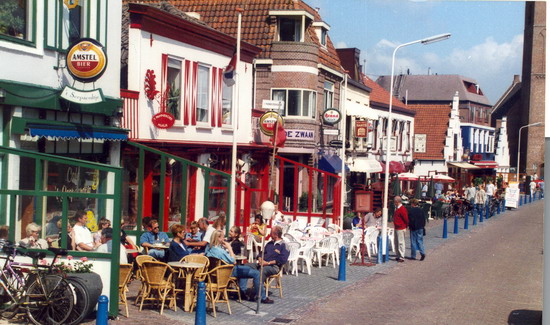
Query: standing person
pixel 470 193
pixel 424 191
pixel 438 189
pixel 372 219
pixel 533 186
pixel 83 239
pixel 177 248
pixel 154 236
pixel 400 223
pixel 479 199
pixel 417 222
pixel 490 191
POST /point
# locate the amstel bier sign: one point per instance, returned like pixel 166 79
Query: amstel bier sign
pixel 86 60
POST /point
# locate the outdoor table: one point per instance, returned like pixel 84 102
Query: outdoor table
pixel 189 269
pixel 240 258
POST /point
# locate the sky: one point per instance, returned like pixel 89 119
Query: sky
pixel 486 42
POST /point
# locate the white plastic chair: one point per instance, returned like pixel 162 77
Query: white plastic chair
pixel 326 248
pixel 305 256
pixel 354 246
pixel 390 235
pixel 294 250
pixel 289 238
pixel 371 241
pixel 252 246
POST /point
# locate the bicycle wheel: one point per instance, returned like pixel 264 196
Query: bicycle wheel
pixel 49 300
pixel 11 293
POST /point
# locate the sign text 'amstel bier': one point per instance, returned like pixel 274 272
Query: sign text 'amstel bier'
pixel 86 60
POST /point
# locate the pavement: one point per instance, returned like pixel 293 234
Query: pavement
pixel 489 274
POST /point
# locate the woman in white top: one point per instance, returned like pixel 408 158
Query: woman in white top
pixel 32 240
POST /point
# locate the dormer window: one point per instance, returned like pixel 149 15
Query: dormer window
pixel 321 29
pixel 291 24
pixel 290 29
pixel 323 37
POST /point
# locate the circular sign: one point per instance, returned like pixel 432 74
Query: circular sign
pixel 267 122
pixel 331 116
pixel 86 60
pixel 163 120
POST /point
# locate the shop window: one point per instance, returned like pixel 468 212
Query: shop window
pixel 227 104
pixel 328 94
pixel 16 19
pixel 203 91
pixel 298 103
pixel 290 29
pixel 173 91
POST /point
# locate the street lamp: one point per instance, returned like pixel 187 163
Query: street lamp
pixel 519 144
pixel 424 41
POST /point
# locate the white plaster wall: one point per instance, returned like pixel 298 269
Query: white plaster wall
pixel 425 167
pixel 36 65
pixel 143 56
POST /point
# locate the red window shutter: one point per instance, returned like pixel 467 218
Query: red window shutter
pixel 164 83
pixel 214 97
pixel 193 84
pixel 186 92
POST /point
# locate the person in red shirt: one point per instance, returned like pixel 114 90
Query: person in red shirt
pixel 400 223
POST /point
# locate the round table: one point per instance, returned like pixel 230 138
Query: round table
pixel 240 258
pixel 189 269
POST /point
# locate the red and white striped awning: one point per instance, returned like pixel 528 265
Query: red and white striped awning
pixel 485 163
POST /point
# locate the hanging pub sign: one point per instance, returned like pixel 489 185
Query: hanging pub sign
pixel 361 129
pixel 86 60
pixel 331 116
pixel 267 122
pixel 163 120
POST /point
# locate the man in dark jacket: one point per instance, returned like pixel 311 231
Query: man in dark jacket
pixel 417 222
pixel 400 223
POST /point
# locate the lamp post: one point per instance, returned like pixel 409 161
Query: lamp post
pixel 519 144
pixel 424 41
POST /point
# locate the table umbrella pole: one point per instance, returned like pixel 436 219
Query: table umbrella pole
pixel 261 278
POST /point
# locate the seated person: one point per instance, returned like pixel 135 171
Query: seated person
pixel 275 255
pixel 199 246
pixel 154 236
pixel 103 224
pixel 222 250
pixel 235 240
pixel 83 238
pixel 107 245
pixel 258 228
pixel 193 236
pixel 32 240
pixel 177 248
pixel 357 222
pixel 372 219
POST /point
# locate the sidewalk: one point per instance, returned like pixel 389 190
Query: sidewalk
pixel 299 292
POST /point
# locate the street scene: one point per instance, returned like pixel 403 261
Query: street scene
pixel 272 161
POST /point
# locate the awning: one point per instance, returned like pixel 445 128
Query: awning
pixel 331 164
pixel 358 110
pixel 443 178
pixel 364 165
pixel 395 167
pixel 66 130
pixel 463 165
pixel 408 177
pixel 485 163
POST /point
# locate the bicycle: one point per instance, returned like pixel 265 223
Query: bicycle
pixel 45 296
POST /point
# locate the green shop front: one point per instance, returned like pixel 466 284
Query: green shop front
pixel 58 157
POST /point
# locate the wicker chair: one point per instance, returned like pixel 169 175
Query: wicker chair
pixel 123 280
pixel 216 286
pixel 278 278
pixel 139 261
pixel 194 258
pixel 158 287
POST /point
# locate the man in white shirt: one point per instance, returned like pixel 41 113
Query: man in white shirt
pixel 83 238
pixel 107 245
pixel 533 186
pixel 490 191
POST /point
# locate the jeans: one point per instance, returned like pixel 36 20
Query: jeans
pixel 417 242
pixel 157 253
pixel 245 272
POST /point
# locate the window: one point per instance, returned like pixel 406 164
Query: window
pixel 75 24
pixel 329 94
pixel 297 102
pixel 203 80
pixel 323 37
pixel 290 30
pixel 227 104
pixel 16 19
pixel 173 88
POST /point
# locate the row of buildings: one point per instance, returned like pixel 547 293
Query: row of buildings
pixel 127 110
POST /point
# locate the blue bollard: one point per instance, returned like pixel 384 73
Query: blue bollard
pixel 102 310
pixel 455 230
pixel 387 256
pixel 474 215
pixel 466 216
pixel 445 228
pixel 379 243
pixel 200 314
pixel 342 269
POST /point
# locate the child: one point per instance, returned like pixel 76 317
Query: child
pixel 193 236
pixel 235 240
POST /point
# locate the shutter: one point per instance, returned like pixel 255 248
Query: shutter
pixel 186 92
pixel 193 85
pixel 164 83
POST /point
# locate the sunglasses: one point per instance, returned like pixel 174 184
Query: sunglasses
pixel 156 228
